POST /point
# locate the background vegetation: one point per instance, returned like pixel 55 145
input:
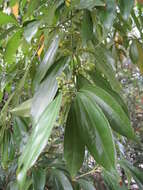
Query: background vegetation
pixel 71 94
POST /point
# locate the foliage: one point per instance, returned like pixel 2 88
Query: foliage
pixel 59 86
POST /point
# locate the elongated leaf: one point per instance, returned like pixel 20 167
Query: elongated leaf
pixel 47 89
pixel 126 7
pixel 95 130
pixel 5 19
pixel 38 139
pixel 39 178
pixel 32 6
pixel 23 109
pixel 103 83
pixel 62 180
pixel 135 172
pixel 134 52
pixel 117 118
pixel 140 56
pixel 12 46
pixel 87 27
pixel 86 185
pixel 83 4
pixel 30 30
pixel 73 145
pixel 113 182
pixel 48 59
pixel 104 66
pixel 107 13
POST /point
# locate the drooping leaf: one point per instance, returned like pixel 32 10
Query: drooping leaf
pixel 73 146
pixel 101 81
pixel 30 30
pixel 126 7
pixel 113 182
pixel 86 185
pixel 107 13
pixel 47 89
pixel 135 172
pixel 140 56
pixel 103 65
pixel 117 118
pixel 32 6
pixel 39 178
pixel 134 52
pixel 38 139
pixel 62 180
pixel 94 130
pixel 48 59
pixel 87 27
pixel 23 109
pixel 5 19
pixel 12 46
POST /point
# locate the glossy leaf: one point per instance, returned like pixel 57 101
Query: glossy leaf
pixel 47 89
pixel 73 146
pixel 117 118
pixel 107 13
pixel 126 7
pixel 23 109
pixel 95 130
pixel 12 46
pixel 86 185
pixel 38 139
pixel 48 59
pixel 101 81
pixel 6 19
pixel 30 30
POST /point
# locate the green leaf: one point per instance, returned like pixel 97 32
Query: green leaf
pixel 47 89
pixel 86 185
pixel 12 46
pixel 136 173
pixel 32 6
pixel 102 63
pixel 7 149
pixel 30 30
pixel 134 52
pixel 101 81
pixel 62 180
pixel 73 146
pixel 140 56
pixel 38 139
pixel 126 7
pixel 39 178
pixel 90 4
pixel 112 181
pixel 48 59
pixel 107 13
pixel 23 109
pixel 117 118
pixel 87 27
pixel 94 130
pixel 6 19
pixel 13 2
